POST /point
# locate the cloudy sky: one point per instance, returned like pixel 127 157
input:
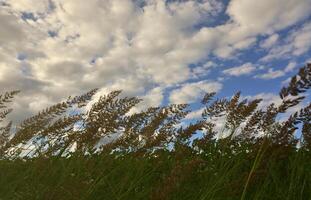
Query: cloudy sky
pixel 163 51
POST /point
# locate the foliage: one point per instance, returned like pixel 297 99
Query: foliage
pixel 150 156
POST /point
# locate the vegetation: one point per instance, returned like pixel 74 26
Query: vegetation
pixel 60 153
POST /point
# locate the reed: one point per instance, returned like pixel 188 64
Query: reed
pixel 148 156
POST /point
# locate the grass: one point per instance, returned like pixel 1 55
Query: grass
pixel 166 176
pixel 155 159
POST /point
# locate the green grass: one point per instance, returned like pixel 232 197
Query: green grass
pixel 152 158
pixel 165 176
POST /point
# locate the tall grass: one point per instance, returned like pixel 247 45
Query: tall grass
pixel 151 157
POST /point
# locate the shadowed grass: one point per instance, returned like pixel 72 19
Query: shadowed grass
pixel 163 177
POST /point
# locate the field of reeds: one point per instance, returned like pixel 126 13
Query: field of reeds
pixel 63 153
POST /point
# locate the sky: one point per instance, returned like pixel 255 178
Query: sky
pixel 162 51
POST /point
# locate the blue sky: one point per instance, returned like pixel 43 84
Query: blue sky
pixel 162 51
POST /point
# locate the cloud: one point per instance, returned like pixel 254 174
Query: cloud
pixel 191 92
pixel 245 43
pixel 247 22
pixel 278 14
pixel 301 39
pixel 244 69
pixel 196 114
pixel 203 70
pixel 295 44
pixel 269 98
pixel 290 67
pixel 272 74
pixel 153 98
pixel 110 45
pixel 53 48
pixel 11 32
pixel 270 41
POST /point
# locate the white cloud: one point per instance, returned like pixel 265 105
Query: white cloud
pixel 196 114
pixel 301 39
pixel 118 36
pixel 286 81
pixel 245 43
pixel 270 41
pixel 267 99
pixel 244 69
pixel 295 44
pixel 267 16
pixel 248 20
pixel 153 98
pixel 290 67
pixel 272 74
pixel 203 70
pixel 72 46
pixel 191 92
